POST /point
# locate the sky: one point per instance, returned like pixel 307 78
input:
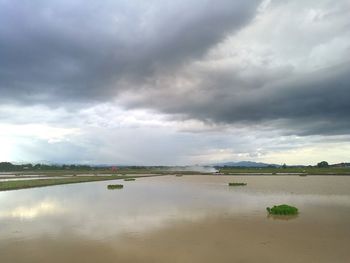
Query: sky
pixel 185 82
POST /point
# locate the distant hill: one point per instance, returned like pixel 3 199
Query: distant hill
pixel 245 164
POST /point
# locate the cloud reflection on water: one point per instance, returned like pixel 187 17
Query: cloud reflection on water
pixel 32 211
pixel 146 205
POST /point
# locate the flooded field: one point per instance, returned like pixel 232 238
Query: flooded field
pixel 30 178
pixel 178 219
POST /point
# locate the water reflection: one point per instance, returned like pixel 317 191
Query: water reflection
pixel 282 217
pixel 31 211
pixel 150 204
pixel 30 178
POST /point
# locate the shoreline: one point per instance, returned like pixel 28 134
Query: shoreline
pixel 34 183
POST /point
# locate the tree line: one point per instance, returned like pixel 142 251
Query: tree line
pixel 7 166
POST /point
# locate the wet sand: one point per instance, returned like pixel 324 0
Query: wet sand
pixel 186 219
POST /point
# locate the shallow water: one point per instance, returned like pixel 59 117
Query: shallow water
pixel 178 219
pixel 30 178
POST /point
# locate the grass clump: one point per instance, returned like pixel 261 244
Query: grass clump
pixel 129 179
pixel 115 186
pixel 282 210
pixel 178 175
pixel 237 184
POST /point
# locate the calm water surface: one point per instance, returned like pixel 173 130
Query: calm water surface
pixel 178 219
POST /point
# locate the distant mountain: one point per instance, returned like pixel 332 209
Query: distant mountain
pixel 245 164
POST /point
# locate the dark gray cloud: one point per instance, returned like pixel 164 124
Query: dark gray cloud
pixel 289 70
pixel 56 52
pixel 303 104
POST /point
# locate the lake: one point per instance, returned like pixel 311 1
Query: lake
pixel 195 218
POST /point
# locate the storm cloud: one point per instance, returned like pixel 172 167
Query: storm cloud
pixel 212 80
pixel 84 50
pixel 297 81
pixel 311 103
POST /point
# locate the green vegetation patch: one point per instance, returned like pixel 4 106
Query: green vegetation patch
pixel 237 184
pixel 282 210
pixel 30 183
pixel 178 175
pixel 115 186
pixel 129 179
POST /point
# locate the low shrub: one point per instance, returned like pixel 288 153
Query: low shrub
pixel 282 210
pixel 237 184
pixel 129 179
pixel 115 186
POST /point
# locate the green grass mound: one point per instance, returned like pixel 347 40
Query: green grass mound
pixel 237 184
pixel 178 175
pixel 129 179
pixel 115 186
pixel 282 210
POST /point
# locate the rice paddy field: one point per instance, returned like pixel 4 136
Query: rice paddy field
pixel 193 218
